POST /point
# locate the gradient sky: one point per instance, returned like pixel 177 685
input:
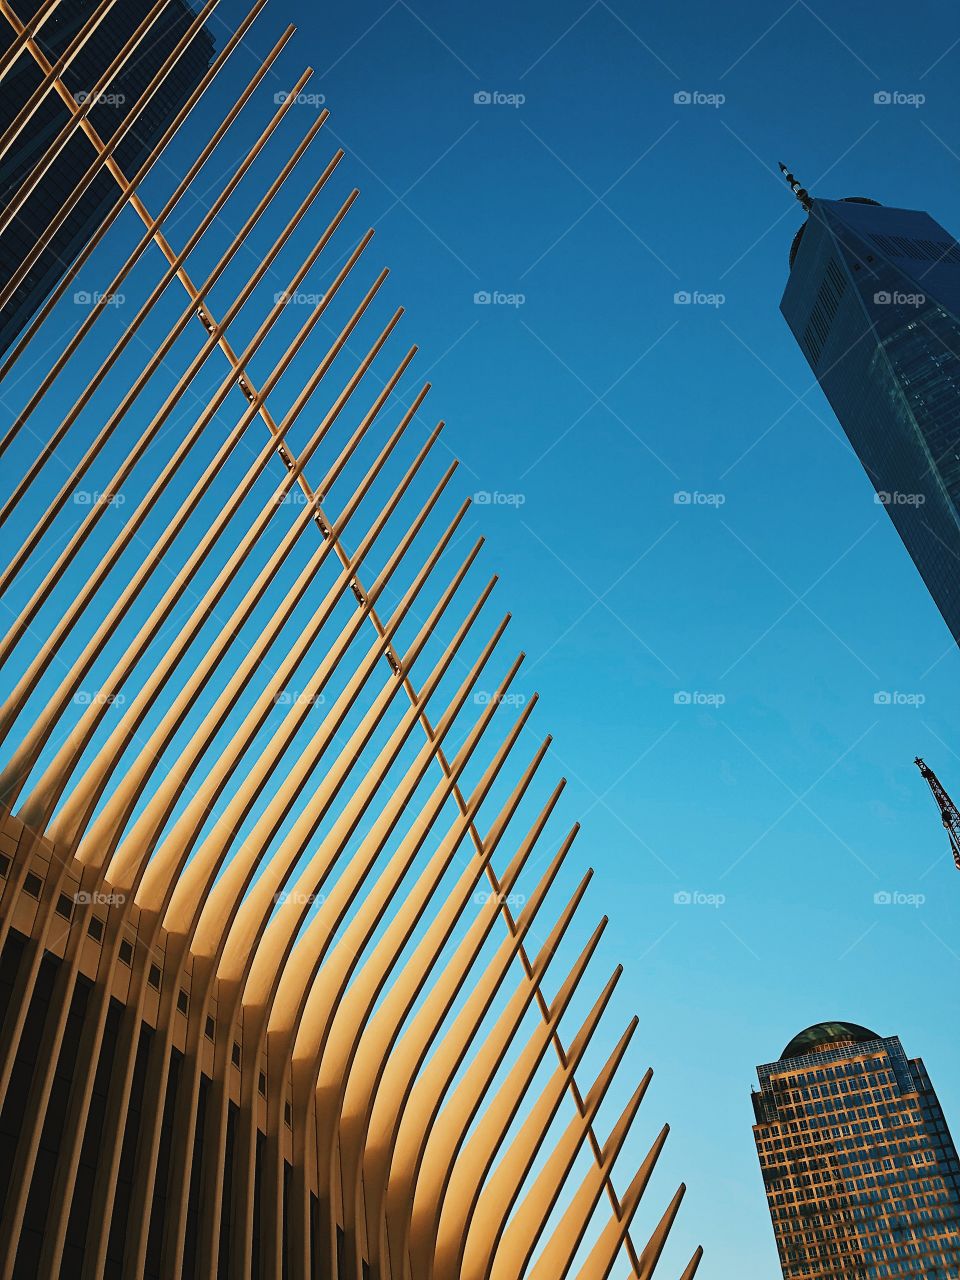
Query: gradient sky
pixel 590 398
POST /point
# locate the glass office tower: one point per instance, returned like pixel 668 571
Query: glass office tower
pixel 115 104
pixel 873 299
pixel 860 1170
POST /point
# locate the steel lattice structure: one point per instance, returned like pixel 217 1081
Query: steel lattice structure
pixel 949 813
pixel 258 1019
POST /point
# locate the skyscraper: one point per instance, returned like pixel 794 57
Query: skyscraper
pixel 89 51
pixel 873 299
pixel 860 1171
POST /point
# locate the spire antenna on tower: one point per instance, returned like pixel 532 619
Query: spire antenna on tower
pixel 948 810
pixel 802 194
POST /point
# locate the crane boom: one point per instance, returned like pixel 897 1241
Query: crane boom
pixel 948 810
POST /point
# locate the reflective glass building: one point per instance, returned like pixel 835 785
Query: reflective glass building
pixel 873 299
pixel 860 1170
pixel 115 103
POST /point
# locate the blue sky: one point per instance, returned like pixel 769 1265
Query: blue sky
pixel 583 197
pixel 596 400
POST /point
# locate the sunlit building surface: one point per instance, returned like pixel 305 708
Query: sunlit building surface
pixel 293 979
pixel 860 1170
pixel 873 299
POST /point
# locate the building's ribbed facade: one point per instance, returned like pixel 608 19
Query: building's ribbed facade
pixel 292 978
pixel 860 1170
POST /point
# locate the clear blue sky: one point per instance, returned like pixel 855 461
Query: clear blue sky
pixel 789 601
pixel 597 399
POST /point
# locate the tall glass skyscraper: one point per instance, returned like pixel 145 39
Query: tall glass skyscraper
pixel 860 1170
pixel 873 299
pixel 114 105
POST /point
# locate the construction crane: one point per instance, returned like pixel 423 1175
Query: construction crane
pixel 948 810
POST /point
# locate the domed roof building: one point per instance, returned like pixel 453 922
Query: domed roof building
pixel 827 1033
pixel 861 1175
